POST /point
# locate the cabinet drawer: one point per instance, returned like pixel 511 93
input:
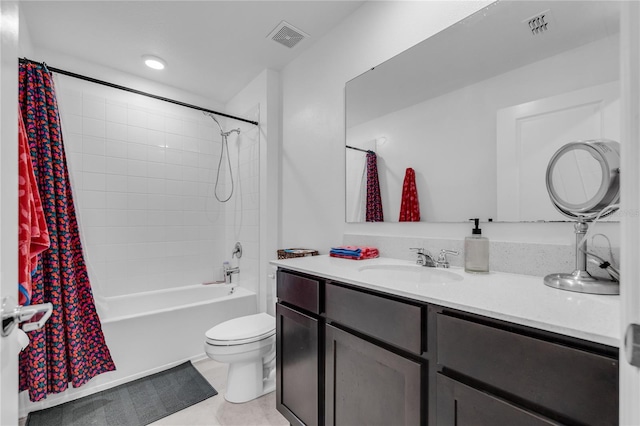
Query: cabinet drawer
pixel 388 320
pixel 570 383
pixel 299 291
pixel 462 405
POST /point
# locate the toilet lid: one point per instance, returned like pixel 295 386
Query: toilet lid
pixel 247 329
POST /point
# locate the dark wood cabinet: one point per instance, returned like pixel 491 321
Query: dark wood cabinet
pixel 298 371
pixel 299 366
pixel 462 405
pixel 369 385
pixel 353 356
pixel 545 373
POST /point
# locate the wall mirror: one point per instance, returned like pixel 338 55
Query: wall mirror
pixel 478 109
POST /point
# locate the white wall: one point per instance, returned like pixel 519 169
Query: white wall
pixel 313 193
pixel 262 95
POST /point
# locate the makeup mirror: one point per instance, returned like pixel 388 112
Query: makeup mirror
pixel 583 181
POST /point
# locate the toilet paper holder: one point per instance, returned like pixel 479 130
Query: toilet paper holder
pixel 13 314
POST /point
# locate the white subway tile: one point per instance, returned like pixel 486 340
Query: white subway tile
pixel 156 122
pixel 117 131
pixel 173 141
pixel 136 168
pixel 72 123
pixel 137 134
pixel 116 113
pixel 74 162
pixel 94 217
pixel 137 218
pixel 93 127
pixel 136 184
pixel 157 203
pixel 93 145
pixel 156 186
pixel 71 103
pixel 156 138
pixel 94 163
pixel 190 159
pixel 117 218
pixel 94 181
pixel 137 117
pixel 156 170
pixel 172 125
pixel 173 156
pixel 190 144
pixel 116 148
pixel 137 201
pixel 116 166
pixel 116 200
pixel 117 234
pixel 136 151
pixel 93 107
pixel 92 199
pixel 156 154
pixel 208 146
pixel 116 183
pixel 72 142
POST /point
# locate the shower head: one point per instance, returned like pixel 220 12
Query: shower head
pixel 222 132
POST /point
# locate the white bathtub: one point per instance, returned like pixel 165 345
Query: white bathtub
pixel 152 331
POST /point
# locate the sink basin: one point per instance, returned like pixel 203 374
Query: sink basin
pixel 412 273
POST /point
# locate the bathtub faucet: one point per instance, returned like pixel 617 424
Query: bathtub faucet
pixel 228 271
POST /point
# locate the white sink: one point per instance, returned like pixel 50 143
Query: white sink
pixel 412 273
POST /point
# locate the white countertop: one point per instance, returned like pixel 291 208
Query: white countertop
pixel 521 299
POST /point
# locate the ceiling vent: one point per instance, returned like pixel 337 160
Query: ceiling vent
pixel 287 35
pixel 539 23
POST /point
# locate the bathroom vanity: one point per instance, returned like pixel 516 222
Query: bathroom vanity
pixel 355 347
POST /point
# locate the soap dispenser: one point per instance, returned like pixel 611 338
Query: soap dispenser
pixel 476 251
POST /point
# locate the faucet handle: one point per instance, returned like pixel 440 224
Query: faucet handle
pixel 442 257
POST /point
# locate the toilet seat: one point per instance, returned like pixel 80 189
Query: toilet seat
pixel 243 330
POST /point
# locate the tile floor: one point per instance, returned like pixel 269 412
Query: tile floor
pixel 217 411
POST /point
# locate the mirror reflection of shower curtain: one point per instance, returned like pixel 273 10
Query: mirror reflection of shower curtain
pixel 360 205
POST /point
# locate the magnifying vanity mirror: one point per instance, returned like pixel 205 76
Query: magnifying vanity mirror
pixel 583 181
pixel 477 110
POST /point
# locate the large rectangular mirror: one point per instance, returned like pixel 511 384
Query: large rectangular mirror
pixel 478 110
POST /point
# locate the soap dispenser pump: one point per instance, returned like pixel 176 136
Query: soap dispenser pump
pixel 476 251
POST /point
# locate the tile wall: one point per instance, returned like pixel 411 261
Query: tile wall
pixel 143 174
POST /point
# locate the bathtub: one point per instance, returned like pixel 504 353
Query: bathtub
pixel 152 331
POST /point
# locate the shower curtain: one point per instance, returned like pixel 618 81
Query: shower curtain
pixel 374 200
pixel 70 348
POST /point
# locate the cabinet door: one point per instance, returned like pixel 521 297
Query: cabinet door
pixel 367 384
pixel 297 366
pixel 462 405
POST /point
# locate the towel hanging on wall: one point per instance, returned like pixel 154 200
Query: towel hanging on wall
pixel 409 207
pixel 374 200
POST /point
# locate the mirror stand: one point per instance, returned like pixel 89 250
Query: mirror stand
pixel 580 280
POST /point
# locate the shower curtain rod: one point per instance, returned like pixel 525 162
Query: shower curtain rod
pixel 359 149
pixel 137 92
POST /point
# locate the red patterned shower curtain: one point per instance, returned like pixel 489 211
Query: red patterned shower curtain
pixel 70 348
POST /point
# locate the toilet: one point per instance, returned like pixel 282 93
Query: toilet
pixel 248 345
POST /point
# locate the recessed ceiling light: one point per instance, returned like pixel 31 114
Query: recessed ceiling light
pixel 153 62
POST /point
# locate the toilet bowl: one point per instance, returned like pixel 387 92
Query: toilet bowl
pixel 248 345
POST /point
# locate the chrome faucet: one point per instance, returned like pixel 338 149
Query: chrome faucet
pixel 442 261
pixel 228 271
pixel 424 258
